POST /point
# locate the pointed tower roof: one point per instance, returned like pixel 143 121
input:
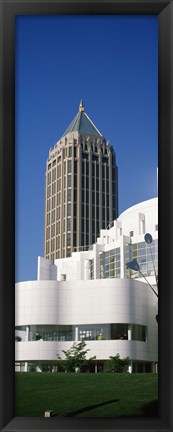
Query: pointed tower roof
pixel 82 123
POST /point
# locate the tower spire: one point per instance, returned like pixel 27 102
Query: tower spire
pixel 81 106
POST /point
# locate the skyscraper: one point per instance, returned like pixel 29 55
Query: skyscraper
pixel 81 195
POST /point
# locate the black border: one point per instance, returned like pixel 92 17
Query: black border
pixel 8 10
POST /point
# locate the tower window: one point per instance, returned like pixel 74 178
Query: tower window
pixel 70 152
pixel 69 181
pixel 69 210
pixel 69 166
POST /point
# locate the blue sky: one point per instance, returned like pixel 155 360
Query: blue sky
pixel 111 62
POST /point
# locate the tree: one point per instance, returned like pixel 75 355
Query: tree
pixel 75 358
pixel 116 364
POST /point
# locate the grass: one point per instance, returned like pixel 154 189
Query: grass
pixel 86 395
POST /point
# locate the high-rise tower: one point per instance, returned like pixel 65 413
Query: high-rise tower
pixel 81 188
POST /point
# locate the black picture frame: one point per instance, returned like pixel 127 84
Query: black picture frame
pixel 8 10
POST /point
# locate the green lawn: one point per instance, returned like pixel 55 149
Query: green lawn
pixel 86 394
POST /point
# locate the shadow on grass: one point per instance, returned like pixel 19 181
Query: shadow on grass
pixel 151 409
pixel 89 407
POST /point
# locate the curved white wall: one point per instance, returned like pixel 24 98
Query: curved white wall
pixel 130 217
pixel 48 351
pixel 87 302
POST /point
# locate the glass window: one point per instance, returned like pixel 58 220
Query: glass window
pixel 119 331
pixel 53 230
pixel 68 194
pixel 70 152
pixel 94 157
pixel 74 239
pixel 84 156
pixel 69 166
pixel 75 195
pixel 75 167
pixel 104 159
pixel 69 224
pixel 97 198
pixel 93 238
pixel 75 209
pixel 68 209
pixel 139 332
pixel 68 255
pixel 87 168
pixel 68 239
pixel 58 227
pixel 69 180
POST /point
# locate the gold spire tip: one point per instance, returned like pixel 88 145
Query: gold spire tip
pixel 81 106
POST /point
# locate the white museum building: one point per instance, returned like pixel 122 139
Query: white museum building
pixel 93 296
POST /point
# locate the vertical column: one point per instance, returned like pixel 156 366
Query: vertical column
pixel 129 332
pixel 76 334
pixel 27 334
pixel 86 269
pixel 96 262
pixel 26 367
pixel 153 367
pixel 130 367
pixel 123 256
pixel 26 339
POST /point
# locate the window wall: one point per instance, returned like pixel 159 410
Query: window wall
pixel 121 331
pixel 145 255
pixel 110 265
